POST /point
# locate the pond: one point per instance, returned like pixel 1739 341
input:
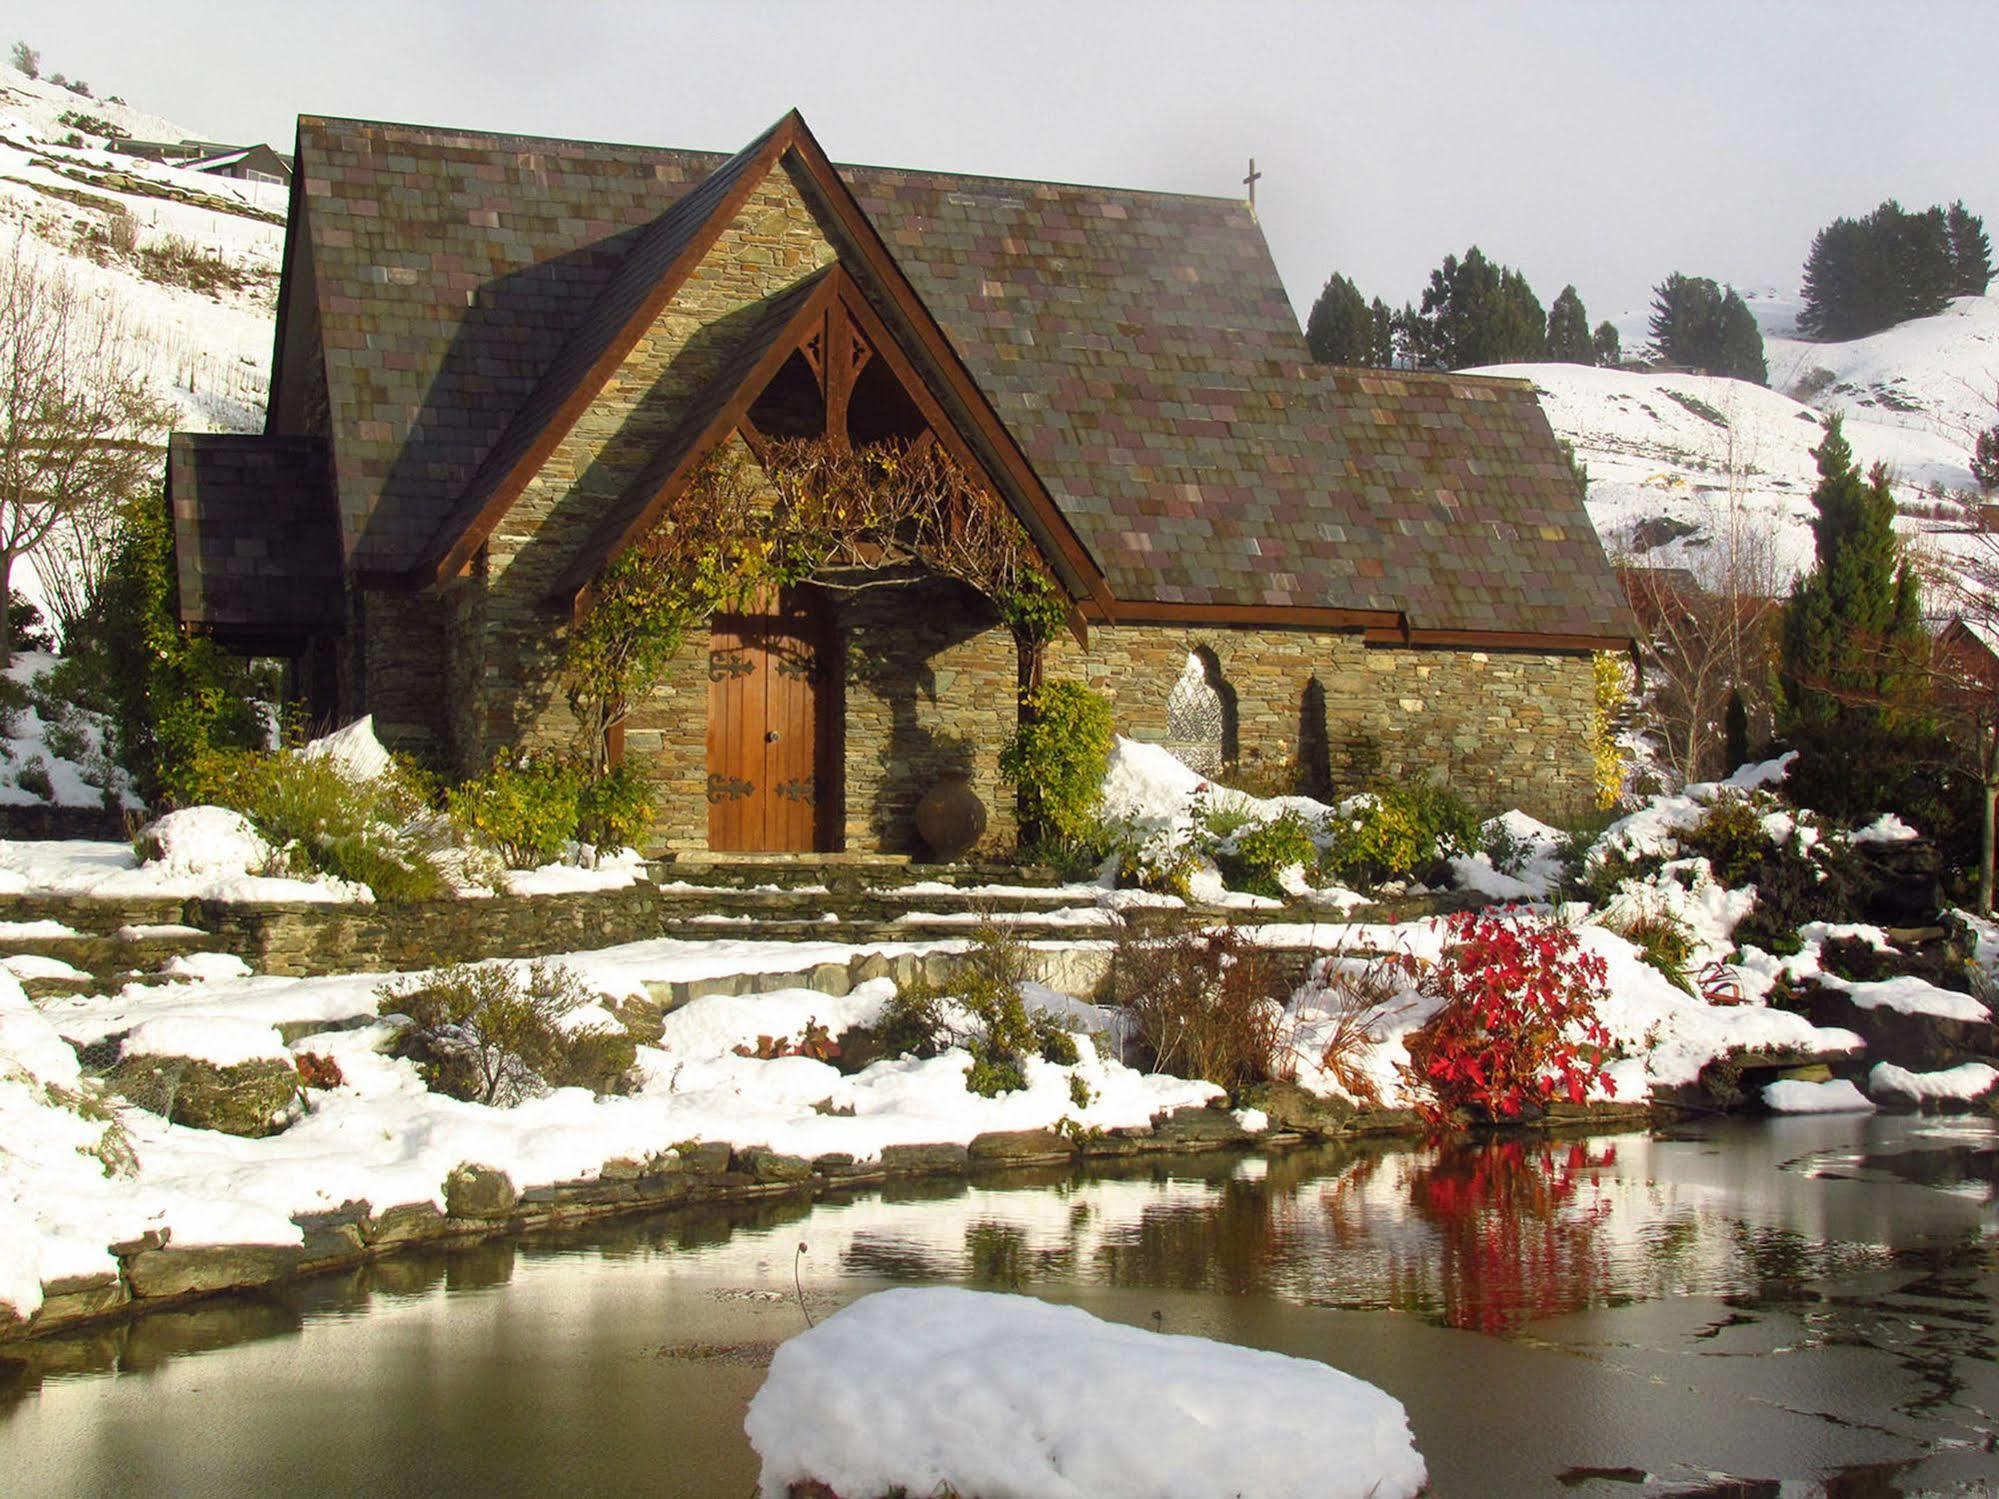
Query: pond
pixel 1714 1309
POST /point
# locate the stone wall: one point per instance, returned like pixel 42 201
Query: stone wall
pixel 771 245
pixel 1340 715
pixel 931 686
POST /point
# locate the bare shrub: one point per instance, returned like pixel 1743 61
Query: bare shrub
pixel 1206 1003
pixel 487 1034
pixel 121 233
pixel 1362 992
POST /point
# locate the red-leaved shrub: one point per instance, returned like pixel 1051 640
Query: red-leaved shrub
pixel 316 1070
pixel 1519 1022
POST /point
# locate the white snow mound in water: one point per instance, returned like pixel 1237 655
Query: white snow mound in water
pixel 934 1389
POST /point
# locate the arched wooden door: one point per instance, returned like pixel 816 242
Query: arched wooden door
pixel 773 694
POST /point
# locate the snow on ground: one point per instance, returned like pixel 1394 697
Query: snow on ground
pixel 1836 1097
pixel 69 756
pixel 922 1389
pixel 1962 1083
pixel 208 354
pixel 220 1040
pixel 112 871
pixel 1715 454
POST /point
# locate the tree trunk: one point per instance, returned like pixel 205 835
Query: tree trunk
pixel 6 606
pixel 1990 800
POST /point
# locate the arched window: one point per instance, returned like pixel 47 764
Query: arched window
pixel 1201 714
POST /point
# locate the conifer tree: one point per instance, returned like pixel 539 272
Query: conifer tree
pixel 1568 330
pixel 1340 329
pixel 1853 644
pixel 1970 252
pixel 1381 350
pixel 1705 326
pixel 1606 346
pixel 1474 312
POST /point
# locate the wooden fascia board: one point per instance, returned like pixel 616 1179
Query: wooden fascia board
pixel 1500 640
pixel 586 390
pixel 1286 616
pixel 295 224
pixel 862 234
pixel 716 430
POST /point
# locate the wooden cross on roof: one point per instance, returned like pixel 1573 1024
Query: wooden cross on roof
pixel 1250 182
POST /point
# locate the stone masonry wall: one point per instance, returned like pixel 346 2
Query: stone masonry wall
pixel 1494 726
pixel 931 686
pixel 771 245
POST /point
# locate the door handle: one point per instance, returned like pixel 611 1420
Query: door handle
pixel 771 736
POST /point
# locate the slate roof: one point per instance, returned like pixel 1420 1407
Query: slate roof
pixel 254 545
pixel 1139 346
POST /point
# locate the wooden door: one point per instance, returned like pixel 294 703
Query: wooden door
pixel 770 729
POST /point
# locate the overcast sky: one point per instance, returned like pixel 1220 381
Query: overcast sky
pixel 1604 142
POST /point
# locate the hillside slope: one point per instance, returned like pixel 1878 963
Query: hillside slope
pixel 198 281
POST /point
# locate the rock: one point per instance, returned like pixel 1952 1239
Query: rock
pixel 1897 884
pixel 1658 530
pixel 1921 1043
pixel 72 1298
pixel 923 1160
pixel 622 1169
pixel 247 1099
pixel 485 1193
pixel 763 1164
pixel 951 817
pixel 403 1223
pixel 205 1268
pixel 1291 1107
pixel 1200 1126
pixel 152 1238
pixel 333 1235
pixel 1811 1072
pixel 706 1158
pixel 1014 1146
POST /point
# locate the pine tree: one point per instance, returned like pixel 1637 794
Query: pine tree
pixel 1970 252
pixel 1853 641
pixel 1568 330
pixel 1985 459
pixel 1340 329
pixel 1605 346
pixel 1474 312
pixel 1381 348
pixel 1704 326
pixel 25 59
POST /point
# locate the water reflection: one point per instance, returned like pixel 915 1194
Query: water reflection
pixel 1835 1278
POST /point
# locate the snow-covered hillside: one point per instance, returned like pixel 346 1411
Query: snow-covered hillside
pixel 197 283
pixel 1673 459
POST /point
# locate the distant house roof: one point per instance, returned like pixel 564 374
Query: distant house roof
pixel 1137 346
pixel 242 160
pixel 257 560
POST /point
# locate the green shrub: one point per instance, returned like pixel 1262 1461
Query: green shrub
pixel 1054 1043
pixel 526 810
pixel 1162 864
pixel 33 778
pixel 615 809
pixel 1058 756
pixel 1218 821
pixel 1265 851
pixel 1731 837
pixel 1403 833
pixel 486 1033
pixel 1081 855
pixel 317 820
pixel 912 1023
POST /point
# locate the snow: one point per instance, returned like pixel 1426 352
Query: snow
pixel 1836 1097
pixel 1965 1082
pixel 206 840
pixel 216 1039
pixel 917 1389
pixel 214 864
pixel 354 751
pixel 1887 828
pixel 206 966
pixel 1908 995
pixel 615 871
pixel 76 780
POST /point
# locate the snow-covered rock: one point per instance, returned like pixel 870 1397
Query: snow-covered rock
pixel 1965 1083
pixel 206 841
pixel 1839 1096
pixel 916 1390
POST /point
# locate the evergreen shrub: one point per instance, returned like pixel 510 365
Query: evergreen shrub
pixel 525 809
pixel 1262 852
pixel 1058 756
pixel 1403 832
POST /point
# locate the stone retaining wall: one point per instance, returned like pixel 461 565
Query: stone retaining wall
pixel 40 823
pixel 154 1272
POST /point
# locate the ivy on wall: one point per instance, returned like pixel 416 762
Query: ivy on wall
pixel 815 511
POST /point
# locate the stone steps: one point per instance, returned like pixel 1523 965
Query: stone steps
pixel 838 873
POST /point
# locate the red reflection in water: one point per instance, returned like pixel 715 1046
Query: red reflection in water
pixel 1519 1225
